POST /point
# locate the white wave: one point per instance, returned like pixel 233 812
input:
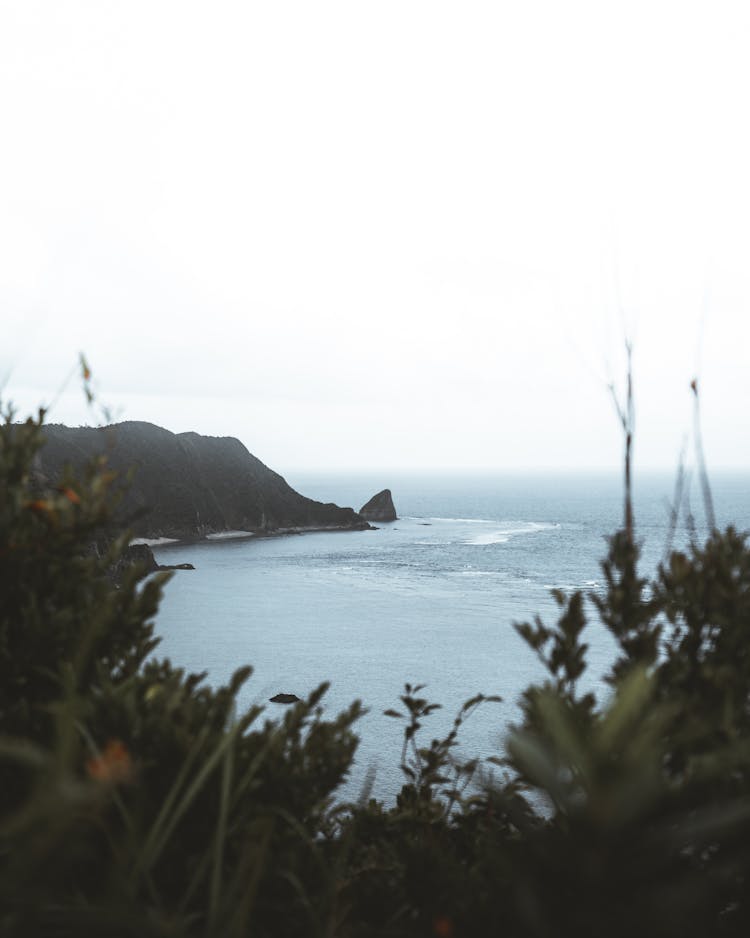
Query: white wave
pixel 594 585
pixel 463 520
pixel 228 535
pixel 483 539
pixel 571 587
pixel 495 573
pixel 504 534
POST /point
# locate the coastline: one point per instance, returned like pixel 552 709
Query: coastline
pixel 218 537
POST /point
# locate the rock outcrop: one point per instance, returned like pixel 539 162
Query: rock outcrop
pixel 186 485
pixel 379 508
pixel 135 554
pixel 143 555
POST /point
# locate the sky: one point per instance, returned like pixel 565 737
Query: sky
pixel 381 235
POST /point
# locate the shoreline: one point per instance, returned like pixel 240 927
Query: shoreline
pixel 218 537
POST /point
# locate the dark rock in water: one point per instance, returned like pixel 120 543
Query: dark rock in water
pixel 135 555
pixel 285 698
pixel 186 486
pixel 379 508
pixel 141 554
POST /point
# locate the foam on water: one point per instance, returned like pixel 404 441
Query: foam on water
pixel 461 520
pixel 482 540
pixel 503 535
pixel 371 610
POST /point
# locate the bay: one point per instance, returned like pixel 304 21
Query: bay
pixel 430 598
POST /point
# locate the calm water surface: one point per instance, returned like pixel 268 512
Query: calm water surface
pixel 429 598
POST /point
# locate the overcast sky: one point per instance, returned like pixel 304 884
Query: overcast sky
pixel 392 234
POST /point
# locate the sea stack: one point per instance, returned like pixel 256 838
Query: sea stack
pixel 379 508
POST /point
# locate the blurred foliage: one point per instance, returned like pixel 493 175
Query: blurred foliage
pixel 137 800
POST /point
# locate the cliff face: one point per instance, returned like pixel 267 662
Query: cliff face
pixel 186 485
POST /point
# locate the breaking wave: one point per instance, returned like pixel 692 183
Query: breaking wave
pixel 503 534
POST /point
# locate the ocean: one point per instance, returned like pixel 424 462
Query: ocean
pixel 429 599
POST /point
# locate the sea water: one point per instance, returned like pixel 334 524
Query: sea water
pixel 429 599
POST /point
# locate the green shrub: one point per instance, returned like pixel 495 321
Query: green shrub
pixel 136 800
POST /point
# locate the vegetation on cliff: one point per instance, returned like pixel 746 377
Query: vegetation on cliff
pixel 135 800
pixel 186 485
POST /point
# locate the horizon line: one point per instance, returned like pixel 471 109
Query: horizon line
pixel 500 470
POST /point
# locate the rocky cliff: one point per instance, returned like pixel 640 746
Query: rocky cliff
pixel 379 508
pixel 186 485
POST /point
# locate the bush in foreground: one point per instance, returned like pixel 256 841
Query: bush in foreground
pixel 136 800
